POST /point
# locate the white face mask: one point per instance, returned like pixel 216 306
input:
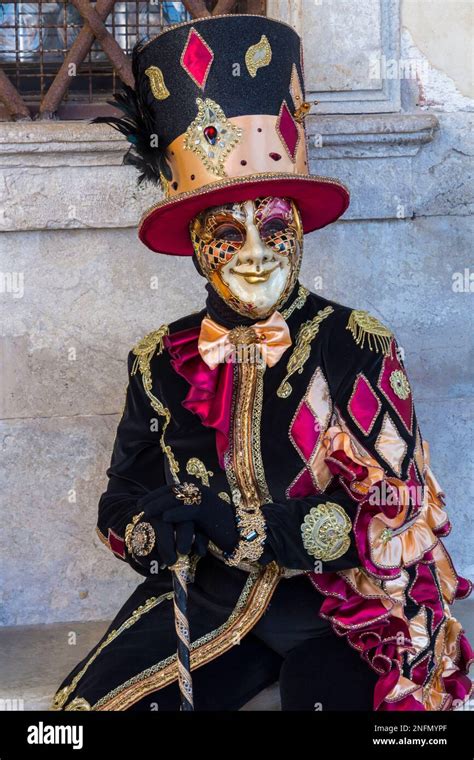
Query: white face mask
pixel 250 252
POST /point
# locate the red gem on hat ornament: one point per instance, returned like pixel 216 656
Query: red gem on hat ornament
pixel 210 133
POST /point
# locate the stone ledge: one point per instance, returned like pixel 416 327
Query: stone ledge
pixel 59 143
pixel 79 143
pixel 370 136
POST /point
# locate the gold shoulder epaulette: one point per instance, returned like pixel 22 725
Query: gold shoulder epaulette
pixel 364 326
pixel 148 346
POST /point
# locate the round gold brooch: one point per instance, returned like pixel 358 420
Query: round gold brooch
pixel 325 531
pixel 243 336
pixel 142 540
pixel 399 384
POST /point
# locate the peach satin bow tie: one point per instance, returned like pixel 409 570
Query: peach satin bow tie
pixel 215 345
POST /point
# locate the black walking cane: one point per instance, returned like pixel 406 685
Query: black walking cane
pixel 188 493
pixel 180 572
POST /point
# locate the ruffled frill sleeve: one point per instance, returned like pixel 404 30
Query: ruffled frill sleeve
pixel 395 607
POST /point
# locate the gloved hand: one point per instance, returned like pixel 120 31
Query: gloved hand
pixel 213 517
pixel 170 540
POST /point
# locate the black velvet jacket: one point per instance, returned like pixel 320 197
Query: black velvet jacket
pixel 299 470
pixel 350 500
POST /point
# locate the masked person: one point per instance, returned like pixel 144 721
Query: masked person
pixel 271 437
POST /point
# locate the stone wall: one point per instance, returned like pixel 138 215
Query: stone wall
pixel 78 289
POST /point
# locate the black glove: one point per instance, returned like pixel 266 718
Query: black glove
pixel 213 517
pixel 170 540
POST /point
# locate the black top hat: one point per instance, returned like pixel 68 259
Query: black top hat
pixel 217 116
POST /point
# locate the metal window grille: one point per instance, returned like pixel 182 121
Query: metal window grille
pixel 65 59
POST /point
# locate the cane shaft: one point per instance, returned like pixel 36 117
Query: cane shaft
pixel 180 577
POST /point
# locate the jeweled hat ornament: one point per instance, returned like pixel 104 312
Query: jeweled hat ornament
pixel 217 116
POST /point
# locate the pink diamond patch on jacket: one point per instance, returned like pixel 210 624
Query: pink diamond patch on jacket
pixel 364 405
pixel 305 431
pixel 309 423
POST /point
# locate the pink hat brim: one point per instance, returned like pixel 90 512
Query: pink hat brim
pixel 165 227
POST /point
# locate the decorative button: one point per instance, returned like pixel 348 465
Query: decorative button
pixel 399 384
pixel 325 531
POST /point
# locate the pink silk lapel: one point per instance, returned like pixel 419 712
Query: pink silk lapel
pixel 210 392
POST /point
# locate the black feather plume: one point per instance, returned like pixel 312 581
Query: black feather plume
pixel 146 151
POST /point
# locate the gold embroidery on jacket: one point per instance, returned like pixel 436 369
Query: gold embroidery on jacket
pixel 302 349
pixel 198 469
pixel 245 450
pixel 298 303
pixel 243 459
pixel 149 346
pixel 399 384
pixel 78 704
pixel 364 326
pixel 129 530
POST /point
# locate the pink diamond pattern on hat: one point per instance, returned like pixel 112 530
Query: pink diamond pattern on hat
pixel 364 406
pixel 288 131
pixel 196 58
